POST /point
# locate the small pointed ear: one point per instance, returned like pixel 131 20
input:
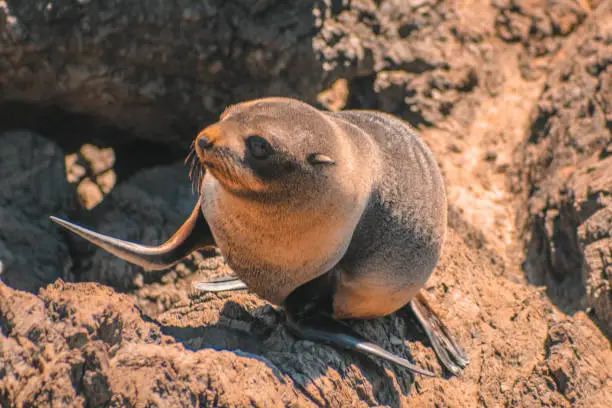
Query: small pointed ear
pixel 319 158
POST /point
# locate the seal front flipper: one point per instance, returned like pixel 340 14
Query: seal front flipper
pixel 448 351
pixel 321 327
pixel 222 284
pixel 193 234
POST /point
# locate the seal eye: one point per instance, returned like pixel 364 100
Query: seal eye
pixel 258 147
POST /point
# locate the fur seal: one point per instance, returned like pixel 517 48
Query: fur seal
pixel 331 215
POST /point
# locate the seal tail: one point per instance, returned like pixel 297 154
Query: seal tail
pixel 193 234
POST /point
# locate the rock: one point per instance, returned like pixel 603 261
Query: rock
pixel 540 27
pixel 83 345
pixel 155 68
pixel 233 349
pixel 94 77
pixel 32 175
pixel 160 70
pixel 438 59
pixel 92 170
pixel 566 171
pixel 33 186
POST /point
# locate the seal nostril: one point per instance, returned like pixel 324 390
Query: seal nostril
pixel 204 143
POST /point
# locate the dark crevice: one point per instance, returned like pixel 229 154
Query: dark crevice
pixel 606 151
pixel 540 126
pixel 70 131
pixel 133 157
pixel 361 93
pixel 555 259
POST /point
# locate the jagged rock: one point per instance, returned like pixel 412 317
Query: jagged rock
pixel 156 68
pixel 80 344
pixel 161 69
pixel 84 345
pixel 33 186
pixel 566 168
pixel 540 27
pixel 439 61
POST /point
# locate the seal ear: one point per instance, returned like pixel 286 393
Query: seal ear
pixel 319 158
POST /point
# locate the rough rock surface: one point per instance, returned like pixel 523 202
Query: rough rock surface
pixel 32 186
pixel 156 68
pixel 160 69
pixel 512 97
pixel 540 27
pixel 566 167
pixel 78 343
pixel 84 345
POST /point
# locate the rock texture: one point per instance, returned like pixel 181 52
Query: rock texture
pixel 156 68
pixel 512 97
pixel 82 343
pixel 32 186
pixel 566 165
pixel 540 27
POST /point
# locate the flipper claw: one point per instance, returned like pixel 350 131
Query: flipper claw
pixel 447 350
pixel 222 284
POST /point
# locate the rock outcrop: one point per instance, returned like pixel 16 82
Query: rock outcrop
pixel 78 344
pixel 32 186
pixel 513 97
pixel 566 167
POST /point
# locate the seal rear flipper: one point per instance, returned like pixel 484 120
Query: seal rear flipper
pixel 447 350
pixel 324 328
pixel 193 234
pixel 222 284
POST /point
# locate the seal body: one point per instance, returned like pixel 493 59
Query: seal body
pixel 331 215
pixel 374 221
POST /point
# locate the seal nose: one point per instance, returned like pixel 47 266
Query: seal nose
pixel 204 142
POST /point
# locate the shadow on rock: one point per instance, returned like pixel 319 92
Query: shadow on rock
pixel 261 333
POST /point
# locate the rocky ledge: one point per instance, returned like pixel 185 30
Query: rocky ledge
pixel 100 100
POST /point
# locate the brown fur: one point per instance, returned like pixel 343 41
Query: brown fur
pixel 279 233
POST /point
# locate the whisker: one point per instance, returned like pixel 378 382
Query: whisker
pixel 200 180
pixel 192 167
pixel 195 169
pixel 229 163
pixel 227 167
pixel 190 154
pixel 197 178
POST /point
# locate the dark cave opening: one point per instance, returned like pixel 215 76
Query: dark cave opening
pixel 71 130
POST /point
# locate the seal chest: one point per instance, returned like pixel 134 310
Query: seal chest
pixel 275 247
